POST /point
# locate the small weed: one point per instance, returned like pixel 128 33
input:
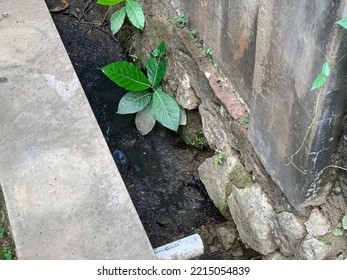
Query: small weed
pixel 244 121
pixel 6 253
pixel 195 36
pixel 134 57
pixel 198 142
pixel 208 53
pixel 179 21
pixel 221 156
pixel 341 229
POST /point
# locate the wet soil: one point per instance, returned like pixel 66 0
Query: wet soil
pixel 159 170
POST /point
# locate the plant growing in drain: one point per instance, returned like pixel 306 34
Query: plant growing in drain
pixel 132 9
pixel 146 96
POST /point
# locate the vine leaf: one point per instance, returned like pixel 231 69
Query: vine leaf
pixel 343 22
pixel 344 222
pixel 126 75
pixel 318 82
pixel 135 14
pixel 166 110
pixel 156 65
pixel 337 232
pixel 134 102
pixel 109 2
pixel 326 69
pixel 117 20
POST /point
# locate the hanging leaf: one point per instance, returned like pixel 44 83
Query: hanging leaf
pixel 135 14
pixel 109 2
pixel 117 20
pixel 145 120
pixel 166 110
pixel 156 65
pixel 127 76
pixel 344 222
pixel 337 232
pixel 134 102
pixel 318 82
pixel 343 22
pixel 326 69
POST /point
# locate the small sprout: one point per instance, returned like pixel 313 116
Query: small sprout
pixel 244 121
pixel 134 57
pixel 338 232
pixel 179 20
pixel 221 156
pixel 195 36
pixel 208 53
pixel 198 142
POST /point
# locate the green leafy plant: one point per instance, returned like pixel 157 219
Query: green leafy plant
pixel 244 121
pixel 180 20
pixel 146 96
pixel 341 229
pixel 195 36
pixel 6 253
pixel 221 156
pixel 208 53
pixel 132 10
pixel 198 142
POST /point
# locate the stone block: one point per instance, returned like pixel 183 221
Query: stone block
pixel 253 215
pixel 215 177
pixel 317 224
pixel 289 232
pixel 313 249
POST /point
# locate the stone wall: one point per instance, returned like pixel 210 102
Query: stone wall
pixel 266 55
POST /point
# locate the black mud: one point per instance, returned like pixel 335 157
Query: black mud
pixel 159 170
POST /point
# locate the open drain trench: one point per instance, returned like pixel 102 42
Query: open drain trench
pixel 159 170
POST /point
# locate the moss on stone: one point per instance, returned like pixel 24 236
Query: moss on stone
pixel 239 177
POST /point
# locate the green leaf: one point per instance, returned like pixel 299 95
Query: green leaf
pixel 135 14
pixel 166 110
pixel 344 222
pixel 134 102
pixel 342 22
pixel 337 232
pixel 109 2
pixel 318 82
pixel 126 75
pixel 156 65
pixel 145 120
pixel 326 69
pixel 117 20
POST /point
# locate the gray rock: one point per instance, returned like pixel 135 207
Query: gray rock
pixel 253 216
pixel 313 249
pixel 317 224
pixel 274 256
pixel 289 231
pixel 185 94
pixel 226 237
pixel 215 177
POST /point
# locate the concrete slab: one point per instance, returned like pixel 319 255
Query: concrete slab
pixel 64 195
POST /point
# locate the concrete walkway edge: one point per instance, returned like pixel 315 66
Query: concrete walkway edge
pixel 64 195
